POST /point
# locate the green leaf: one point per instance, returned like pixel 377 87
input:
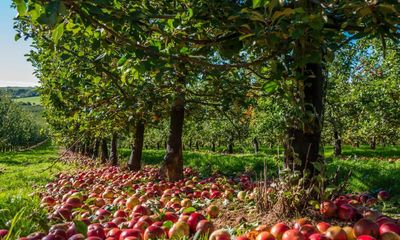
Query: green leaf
pixel 17 37
pixel 189 210
pixel 270 87
pixel 81 227
pixel 57 33
pixel 168 224
pixel 122 60
pixel 21 7
pixel 170 23
pixel 246 36
pixel 259 3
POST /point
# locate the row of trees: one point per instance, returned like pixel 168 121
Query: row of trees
pixel 110 68
pixel 17 128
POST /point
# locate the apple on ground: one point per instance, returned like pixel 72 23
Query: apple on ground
pixel 220 234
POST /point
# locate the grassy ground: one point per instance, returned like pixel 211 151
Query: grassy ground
pixel 371 169
pixel 21 174
pixel 31 100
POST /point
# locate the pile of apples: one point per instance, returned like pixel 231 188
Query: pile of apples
pixel 111 204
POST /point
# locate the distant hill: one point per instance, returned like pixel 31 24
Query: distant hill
pixel 21 92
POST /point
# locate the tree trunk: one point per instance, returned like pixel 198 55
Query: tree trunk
pixel 173 160
pixel 83 149
pixel 89 149
pixel 255 145
pixel 230 146
pixel 134 162
pixel 338 144
pixel 104 151
pixel 96 149
pixel 190 144
pixel 114 150
pixel 373 143
pixel 197 145
pixel 158 145
pixel 303 141
pixel 72 148
pixel 213 146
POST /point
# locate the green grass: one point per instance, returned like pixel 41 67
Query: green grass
pixel 31 100
pixel 21 174
pixel 371 169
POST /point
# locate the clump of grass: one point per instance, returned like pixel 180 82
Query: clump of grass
pixel 21 175
pixel 22 215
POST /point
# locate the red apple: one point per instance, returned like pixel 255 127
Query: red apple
pixel 96 230
pixel 323 226
pixel 127 233
pixel 293 234
pixel 3 233
pixel 115 233
pixel 220 234
pixel 328 209
pixel 194 219
pixel 307 230
pixel 279 229
pixel 365 237
pixel 265 236
pixel 365 226
pixel 154 232
pixel 77 237
pixel 389 227
pixel 205 227
pixel 318 236
pixel 383 195
pixel 300 222
pixel 346 212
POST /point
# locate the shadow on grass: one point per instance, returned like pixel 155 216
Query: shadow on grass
pixel 207 162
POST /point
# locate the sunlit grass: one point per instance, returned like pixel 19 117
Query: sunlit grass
pixel 21 174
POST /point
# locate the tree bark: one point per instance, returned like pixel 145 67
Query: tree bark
pixel 373 143
pixel 83 149
pixel 173 160
pixel 96 149
pixel 213 146
pixel 104 151
pixel 134 162
pixel 303 141
pixel 190 144
pixel 338 144
pixel 158 145
pixel 197 146
pixel 255 145
pixel 230 146
pixel 114 150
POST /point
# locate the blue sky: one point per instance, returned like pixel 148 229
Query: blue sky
pixel 14 69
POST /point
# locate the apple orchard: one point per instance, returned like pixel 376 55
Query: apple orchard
pixel 293 74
